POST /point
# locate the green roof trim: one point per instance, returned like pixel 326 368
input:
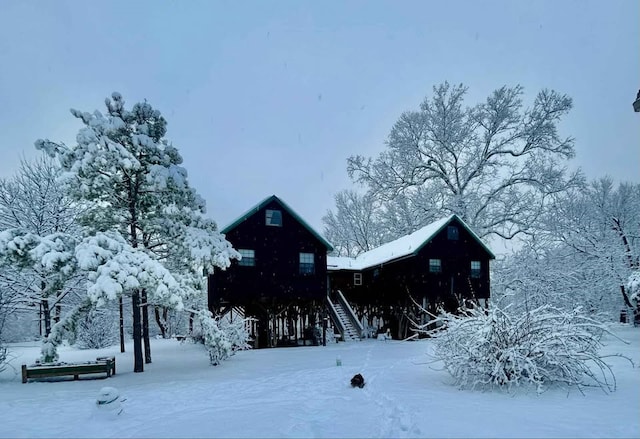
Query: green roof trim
pixel 255 209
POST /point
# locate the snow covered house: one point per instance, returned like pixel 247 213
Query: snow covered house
pixel 289 285
pixel 281 280
pixel 443 263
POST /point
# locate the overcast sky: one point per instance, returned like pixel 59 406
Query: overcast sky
pixel 272 97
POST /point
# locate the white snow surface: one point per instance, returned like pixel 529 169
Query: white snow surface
pixel 300 392
pixel 401 247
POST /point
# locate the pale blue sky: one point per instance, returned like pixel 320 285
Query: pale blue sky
pixel 271 97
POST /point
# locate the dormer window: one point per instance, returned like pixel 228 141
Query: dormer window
pixel 273 218
pixel 452 233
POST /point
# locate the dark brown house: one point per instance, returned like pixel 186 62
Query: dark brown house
pixel 443 263
pixel 286 282
pixel 281 279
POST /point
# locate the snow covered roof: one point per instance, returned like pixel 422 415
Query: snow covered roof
pixel 401 247
pixel 287 208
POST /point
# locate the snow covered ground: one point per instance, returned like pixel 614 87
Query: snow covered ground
pixel 301 392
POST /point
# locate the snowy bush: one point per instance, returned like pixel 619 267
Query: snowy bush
pixel 330 336
pixel 215 339
pixel 497 347
pixel 237 334
pixel 97 330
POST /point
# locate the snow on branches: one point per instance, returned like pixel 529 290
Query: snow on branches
pixel 494 164
pixel 117 268
pixel 130 178
pixel 237 333
pixel 221 336
pixel 500 348
pixel 216 340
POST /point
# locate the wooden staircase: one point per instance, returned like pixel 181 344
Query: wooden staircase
pixel 344 318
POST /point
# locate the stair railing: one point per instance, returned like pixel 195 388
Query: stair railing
pixel 333 313
pixel 352 315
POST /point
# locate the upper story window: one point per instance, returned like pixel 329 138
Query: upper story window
pixel 452 233
pixel 307 263
pixel 435 266
pixel 357 278
pixel 273 218
pixel 475 268
pixel 376 273
pixel 248 257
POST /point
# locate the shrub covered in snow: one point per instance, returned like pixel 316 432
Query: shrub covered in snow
pixel 97 330
pixel 497 347
pixel 237 333
pixel 215 339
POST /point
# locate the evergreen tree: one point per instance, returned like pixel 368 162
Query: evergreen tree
pixel 130 177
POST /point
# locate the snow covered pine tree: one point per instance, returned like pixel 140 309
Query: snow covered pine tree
pixel 130 177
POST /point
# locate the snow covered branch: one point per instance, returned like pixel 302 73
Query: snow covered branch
pixel 541 347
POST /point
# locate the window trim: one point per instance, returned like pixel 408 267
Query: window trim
pixel 268 217
pixel 435 265
pixel 246 260
pixel 475 272
pixel 311 265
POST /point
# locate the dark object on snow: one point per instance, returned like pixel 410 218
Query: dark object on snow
pixel 357 381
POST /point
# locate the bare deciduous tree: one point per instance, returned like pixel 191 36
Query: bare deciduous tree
pixel 494 164
pixel 34 202
pixel 354 227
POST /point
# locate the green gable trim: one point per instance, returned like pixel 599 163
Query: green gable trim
pixel 255 209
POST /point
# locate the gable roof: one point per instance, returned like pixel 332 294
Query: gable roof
pixel 408 245
pixel 286 207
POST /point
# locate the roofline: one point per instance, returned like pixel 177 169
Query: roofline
pixel 421 246
pixel 286 207
pixel 367 267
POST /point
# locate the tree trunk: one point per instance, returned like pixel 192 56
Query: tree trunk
pixel 145 328
pixel 138 359
pixel 191 315
pixel 162 321
pixel 625 297
pixel 121 306
pixel 46 315
pixel 56 313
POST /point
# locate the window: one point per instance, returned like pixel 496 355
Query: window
pixel 475 268
pixel 452 233
pixel 248 257
pixel 274 218
pixel 307 263
pixel 376 273
pixel 435 266
pixel 357 278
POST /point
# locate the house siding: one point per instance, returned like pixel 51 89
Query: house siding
pixel 387 289
pixel 276 271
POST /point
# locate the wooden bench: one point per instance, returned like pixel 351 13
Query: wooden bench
pixel 101 365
